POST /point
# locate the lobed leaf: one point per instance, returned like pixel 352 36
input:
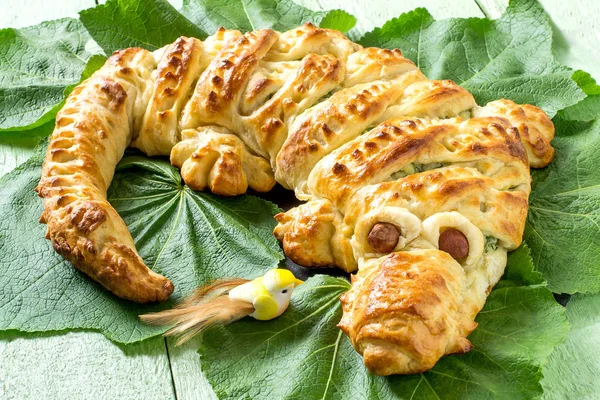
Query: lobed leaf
pixel 190 237
pixel 563 228
pixel 38 66
pixel 510 57
pixel 520 270
pixel 588 108
pixel 248 15
pixel 150 24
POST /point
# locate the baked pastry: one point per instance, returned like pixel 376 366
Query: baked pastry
pixel 407 180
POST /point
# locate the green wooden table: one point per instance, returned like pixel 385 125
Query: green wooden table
pixel 86 365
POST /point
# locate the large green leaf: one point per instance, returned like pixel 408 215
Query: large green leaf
pixel 38 65
pixel 150 24
pixel 588 108
pixel 506 58
pixel 572 369
pixel 303 355
pixel 248 15
pixel 563 228
pixel 18 147
pixel 190 237
pixel 521 271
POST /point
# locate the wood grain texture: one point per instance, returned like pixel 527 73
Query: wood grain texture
pixel 576 26
pixel 82 365
pixel 21 13
pixel 190 383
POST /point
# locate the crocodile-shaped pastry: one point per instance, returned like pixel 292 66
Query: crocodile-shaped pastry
pixel 407 180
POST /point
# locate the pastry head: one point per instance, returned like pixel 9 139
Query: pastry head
pixel 404 311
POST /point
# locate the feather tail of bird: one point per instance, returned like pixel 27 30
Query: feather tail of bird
pixel 208 306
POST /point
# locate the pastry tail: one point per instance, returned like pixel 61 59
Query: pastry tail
pixel 91 134
pixel 209 306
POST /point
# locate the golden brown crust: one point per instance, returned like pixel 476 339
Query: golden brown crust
pixel 221 85
pixel 211 157
pixel 372 64
pixel 497 211
pixel 177 70
pixel 310 79
pixel 432 99
pixel 404 312
pixel 535 128
pixel 397 144
pixel 336 121
pixel 92 131
pixel 307 39
pixel 312 234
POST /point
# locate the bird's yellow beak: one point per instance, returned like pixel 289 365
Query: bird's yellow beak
pixel 298 282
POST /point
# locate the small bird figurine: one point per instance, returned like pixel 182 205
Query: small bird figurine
pixel 227 301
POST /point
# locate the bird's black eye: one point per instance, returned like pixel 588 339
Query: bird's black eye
pixel 284 291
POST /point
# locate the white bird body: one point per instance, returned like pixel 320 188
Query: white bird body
pixel 227 301
pixel 269 294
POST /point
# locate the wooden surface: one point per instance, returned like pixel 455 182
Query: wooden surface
pixel 82 365
pixel 86 365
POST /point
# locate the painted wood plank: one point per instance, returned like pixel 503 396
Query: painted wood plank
pixel 20 13
pixel 189 381
pixel 576 26
pixel 82 365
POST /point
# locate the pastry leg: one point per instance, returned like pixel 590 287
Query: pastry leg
pixel 313 235
pixel 212 158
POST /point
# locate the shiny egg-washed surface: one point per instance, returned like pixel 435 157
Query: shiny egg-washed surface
pixel 360 133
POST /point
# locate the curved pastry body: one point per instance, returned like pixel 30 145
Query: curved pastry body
pixel 92 131
pixel 408 180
